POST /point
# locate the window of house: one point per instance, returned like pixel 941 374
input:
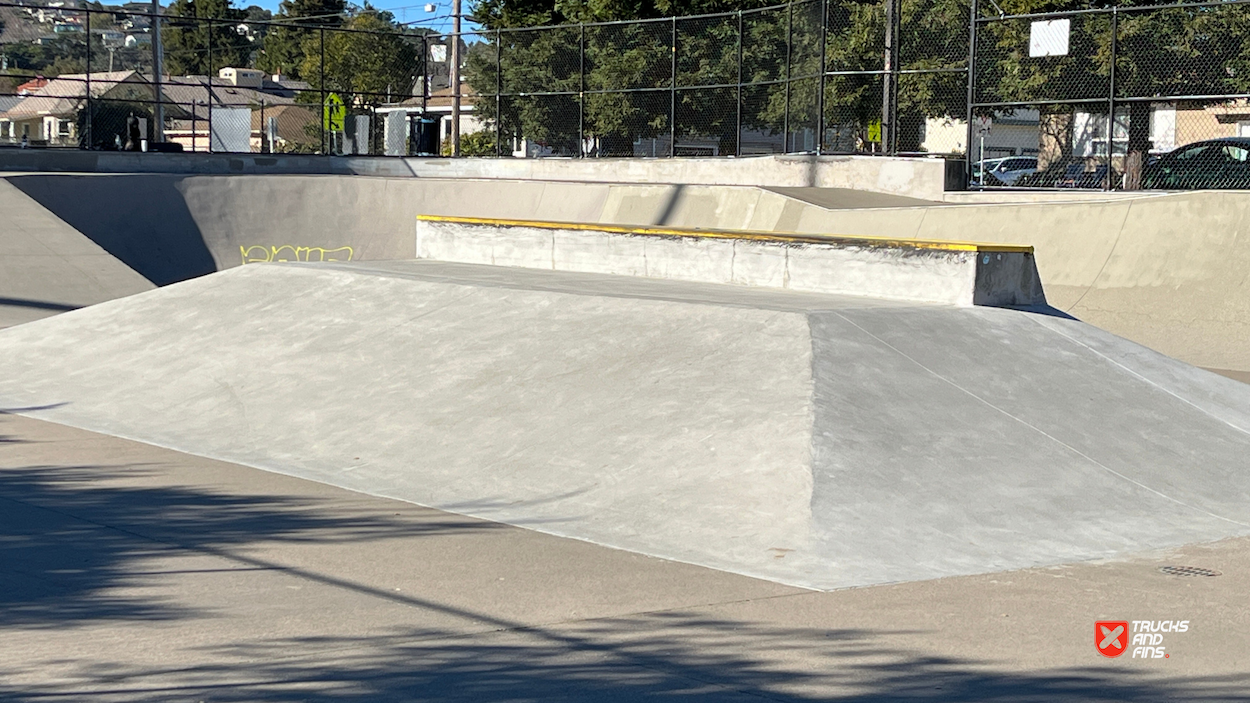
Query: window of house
pixel 63 128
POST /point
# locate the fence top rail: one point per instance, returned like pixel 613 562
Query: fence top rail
pixel 292 24
pixel 652 20
pixel 1110 10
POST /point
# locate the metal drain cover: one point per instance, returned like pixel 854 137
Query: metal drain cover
pixel 1187 571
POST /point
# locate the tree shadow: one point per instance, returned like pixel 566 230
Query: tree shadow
pixel 72 538
pixel 684 656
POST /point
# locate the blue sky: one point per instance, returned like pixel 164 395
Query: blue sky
pixel 404 10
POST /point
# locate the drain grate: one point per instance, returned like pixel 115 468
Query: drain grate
pixel 1188 571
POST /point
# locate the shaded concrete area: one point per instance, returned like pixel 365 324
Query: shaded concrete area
pixel 47 266
pixel 827 442
pixel 149 575
pixel 1243 376
pixel 849 198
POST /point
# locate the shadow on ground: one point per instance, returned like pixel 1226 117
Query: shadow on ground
pixel 72 537
pixel 674 656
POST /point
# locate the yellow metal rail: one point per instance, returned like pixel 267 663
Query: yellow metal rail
pixel 779 237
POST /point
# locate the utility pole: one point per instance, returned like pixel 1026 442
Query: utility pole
pixel 158 120
pixel 889 87
pixel 454 77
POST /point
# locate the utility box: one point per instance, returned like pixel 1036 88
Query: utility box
pixel 423 140
pixel 396 127
pixel 357 134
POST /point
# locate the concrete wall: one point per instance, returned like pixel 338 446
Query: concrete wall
pixel 1165 270
pixel 921 178
pixel 48 267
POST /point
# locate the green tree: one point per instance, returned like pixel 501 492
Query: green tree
pixel 286 46
pixel 187 34
pixel 370 57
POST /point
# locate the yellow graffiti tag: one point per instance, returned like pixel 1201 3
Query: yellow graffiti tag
pixel 287 252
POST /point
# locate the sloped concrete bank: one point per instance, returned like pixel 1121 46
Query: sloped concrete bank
pixel 812 440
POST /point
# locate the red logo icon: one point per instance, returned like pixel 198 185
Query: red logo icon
pixel 1111 637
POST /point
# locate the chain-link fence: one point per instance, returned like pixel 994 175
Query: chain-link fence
pixel 121 79
pixel 804 77
pixel 1101 98
pixel 1093 98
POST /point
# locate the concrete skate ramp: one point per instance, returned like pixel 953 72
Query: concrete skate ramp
pixel 48 267
pixel 1167 271
pixel 812 440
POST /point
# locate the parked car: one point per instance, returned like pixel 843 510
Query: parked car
pixel 1067 172
pixel 1215 163
pixel 1007 171
pixel 1075 176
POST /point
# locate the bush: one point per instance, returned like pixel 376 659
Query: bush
pixel 473 144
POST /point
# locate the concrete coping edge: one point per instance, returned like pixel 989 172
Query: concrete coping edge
pixel 780 237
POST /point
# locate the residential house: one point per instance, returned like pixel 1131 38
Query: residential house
pixel 438 105
pixel 236 105
pixel 50 114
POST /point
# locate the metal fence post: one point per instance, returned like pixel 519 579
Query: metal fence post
pixel 820 97
pixel 738 124
pixel 322 72
pixel 498 91
pixel 581 89
pixel 889 79
pixel 86 135
pixel 1111 96
pixel 209 39
pixel 972 77
pixel 785 124
pixel 672 98
pixel 158 119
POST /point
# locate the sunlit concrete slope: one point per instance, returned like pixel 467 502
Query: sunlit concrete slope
pixel 812 440
pixel 47 267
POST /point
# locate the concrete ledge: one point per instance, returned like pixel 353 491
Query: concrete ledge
pixel 931 271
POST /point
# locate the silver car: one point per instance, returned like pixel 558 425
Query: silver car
pixel 1005 171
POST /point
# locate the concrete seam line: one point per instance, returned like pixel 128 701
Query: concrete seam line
pixel 1110 253
pixel 785 237
pixel 1037 429
pixel 1190 403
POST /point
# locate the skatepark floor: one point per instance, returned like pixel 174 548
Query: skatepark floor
pixel 149 574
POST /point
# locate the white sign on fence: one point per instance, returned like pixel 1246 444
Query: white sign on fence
pixel 983 124
pixel 1049 38
pixel 231 129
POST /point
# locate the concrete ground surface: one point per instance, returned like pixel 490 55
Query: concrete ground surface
pixel 135 573
pixel 820 441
